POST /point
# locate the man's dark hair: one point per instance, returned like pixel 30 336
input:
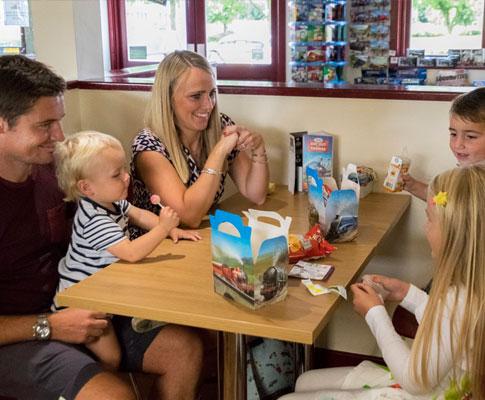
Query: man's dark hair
pixel 22 82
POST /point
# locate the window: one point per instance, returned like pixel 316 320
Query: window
pixel 15 28
pixel 437 26
pixel 245 38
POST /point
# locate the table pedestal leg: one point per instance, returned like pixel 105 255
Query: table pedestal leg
pixel 303 358
pixel 234 366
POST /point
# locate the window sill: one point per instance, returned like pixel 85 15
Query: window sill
pixel 387 92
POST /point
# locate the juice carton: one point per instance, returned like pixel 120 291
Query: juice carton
pixel 398 167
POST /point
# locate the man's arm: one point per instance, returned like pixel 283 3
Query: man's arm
pixel 15 329
pixel 69 325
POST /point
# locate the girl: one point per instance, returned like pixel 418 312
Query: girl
pixel 448 354
pixel 91 170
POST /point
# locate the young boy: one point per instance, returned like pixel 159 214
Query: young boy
pixel 91 170
pixel 467 135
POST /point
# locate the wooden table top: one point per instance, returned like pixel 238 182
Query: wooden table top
pixel 175 283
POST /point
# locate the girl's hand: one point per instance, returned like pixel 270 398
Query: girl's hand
pixel 177 233
pixel 247 140
pixel 168 218
pixel 364 298
pixel 397 289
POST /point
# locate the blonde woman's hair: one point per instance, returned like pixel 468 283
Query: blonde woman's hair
pixel 160 115
pixel 459 265
pixel 75 156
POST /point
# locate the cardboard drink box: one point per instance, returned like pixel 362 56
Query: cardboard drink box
pixel 317 155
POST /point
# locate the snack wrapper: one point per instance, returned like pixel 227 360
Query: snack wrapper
pixel 310 246
pixel 307 270
pixel 315 289
pixel 380 290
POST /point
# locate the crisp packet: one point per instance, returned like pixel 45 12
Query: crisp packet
pixel 307 270
pixel 311 246
pixel 315 289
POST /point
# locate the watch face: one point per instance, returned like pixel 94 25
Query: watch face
pixel 44 332
pixel 42 329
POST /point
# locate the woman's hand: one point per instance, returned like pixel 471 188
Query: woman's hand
pixel 227 143
pixel 247 140
pixel 364 298
pixel 72 325
pixel 397 289
pixel 177 233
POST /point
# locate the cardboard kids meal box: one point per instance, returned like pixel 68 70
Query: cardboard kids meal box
pixel 335 210
pixel 250 261
pixel 318 155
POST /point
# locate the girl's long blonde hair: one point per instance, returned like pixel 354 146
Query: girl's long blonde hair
pixel 459 264
pixel 160 116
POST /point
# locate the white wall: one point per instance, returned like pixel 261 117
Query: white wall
pixel 367 132
pixel 54 37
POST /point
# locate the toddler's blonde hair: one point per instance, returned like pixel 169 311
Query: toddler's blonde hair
pixel 75 156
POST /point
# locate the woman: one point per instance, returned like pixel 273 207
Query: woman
pixel 187 147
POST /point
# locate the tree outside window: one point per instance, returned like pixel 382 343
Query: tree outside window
pixel 440 25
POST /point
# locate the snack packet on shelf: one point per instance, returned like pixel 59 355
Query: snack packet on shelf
pixel 308 247
pixel 307 270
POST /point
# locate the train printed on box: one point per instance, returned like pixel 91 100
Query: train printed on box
pixel 249 263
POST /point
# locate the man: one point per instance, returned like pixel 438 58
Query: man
pixel 41 354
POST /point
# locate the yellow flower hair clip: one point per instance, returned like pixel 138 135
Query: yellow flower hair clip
pixel 441 199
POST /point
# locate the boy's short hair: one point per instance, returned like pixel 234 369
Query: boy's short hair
pixel 22 82
pixel 75 155
pixel 470 106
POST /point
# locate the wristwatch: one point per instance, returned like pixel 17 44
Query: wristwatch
pixel 42 328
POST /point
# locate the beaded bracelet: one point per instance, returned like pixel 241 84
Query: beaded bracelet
pixel 210 171
pixel 259 158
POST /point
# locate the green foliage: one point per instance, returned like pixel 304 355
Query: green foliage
pixel 454 12
pixel 426 34
pixel 421 7
pixel 471 33
pixel 226 11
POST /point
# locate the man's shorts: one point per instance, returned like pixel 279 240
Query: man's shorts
pixel 46 370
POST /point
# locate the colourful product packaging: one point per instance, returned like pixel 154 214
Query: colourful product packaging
pixel 250 262
pixel 398 167
pixel 317 155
